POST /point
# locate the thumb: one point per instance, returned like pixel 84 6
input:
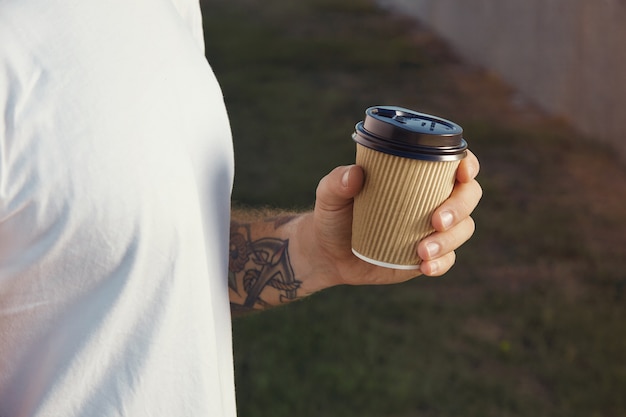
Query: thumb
pixel 333 208
pixel 336 190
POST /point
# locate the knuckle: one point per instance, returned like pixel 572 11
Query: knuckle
pixel 471 225
pixel 479 189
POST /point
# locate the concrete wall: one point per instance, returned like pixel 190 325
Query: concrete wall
pixel 568 56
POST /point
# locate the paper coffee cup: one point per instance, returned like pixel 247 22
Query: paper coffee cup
pixel 410 161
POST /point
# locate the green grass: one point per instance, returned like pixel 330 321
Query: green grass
pixel 530 322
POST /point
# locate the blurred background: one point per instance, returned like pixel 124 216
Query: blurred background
pixel 565 55
pixel 531 321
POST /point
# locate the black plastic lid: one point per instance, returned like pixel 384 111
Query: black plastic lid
pixel 409 134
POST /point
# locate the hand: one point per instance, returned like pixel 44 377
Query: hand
pixel 331 223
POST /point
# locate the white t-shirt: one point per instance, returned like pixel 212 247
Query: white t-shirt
pixel 115 177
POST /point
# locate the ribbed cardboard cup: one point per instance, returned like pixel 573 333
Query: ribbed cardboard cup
pixel 410 161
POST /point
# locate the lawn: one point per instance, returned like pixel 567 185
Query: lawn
pixel 530 321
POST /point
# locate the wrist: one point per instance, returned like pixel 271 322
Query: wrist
pixel 313 265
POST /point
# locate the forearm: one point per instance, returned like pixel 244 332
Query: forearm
pixel 266 265
pixel 278 258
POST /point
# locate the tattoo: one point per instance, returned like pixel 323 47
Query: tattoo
pixel 259 268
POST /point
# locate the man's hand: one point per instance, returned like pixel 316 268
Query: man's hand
pixel 329 229
pixel 280 257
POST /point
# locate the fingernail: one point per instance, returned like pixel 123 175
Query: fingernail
pixel 346 176
pixel 446 219
pixel 430 269
pixel 433 249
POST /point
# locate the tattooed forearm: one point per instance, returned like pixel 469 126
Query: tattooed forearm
pixel 260 273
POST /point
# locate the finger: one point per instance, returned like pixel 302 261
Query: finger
pixel 439 266
pixel 337 189
pixel 333 207
pixel 458 206
pixel 468 168
pixel 441 243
